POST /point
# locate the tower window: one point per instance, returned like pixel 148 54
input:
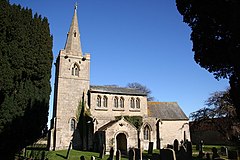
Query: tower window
pixel 75 70
pixel 121 102
pixel 146 133
pixel 72 125
pixel 137 103
pixel 132 103
pixel 75 34
pixel 105 101
pixel 99 101
pixel 116 102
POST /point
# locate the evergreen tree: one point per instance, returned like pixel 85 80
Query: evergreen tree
pixel 25 71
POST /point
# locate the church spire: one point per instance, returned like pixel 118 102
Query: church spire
pixel 73 43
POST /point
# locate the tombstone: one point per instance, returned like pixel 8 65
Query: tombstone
pixel 167 154
pixel 214 153
pixel 82 158
pixel 131 154
pixel 138 154
pixel 118 155
pixel 176 146
pixel 102 152
pixel 182 154
pixel 150 147
pixel 189 149
pixel 92 158
pixel 200 154
pixel 111 154
pixel 223 151
pixel 169 146
pixel 208 156
pixel 232 154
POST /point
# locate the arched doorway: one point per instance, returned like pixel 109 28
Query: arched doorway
pixel 122 143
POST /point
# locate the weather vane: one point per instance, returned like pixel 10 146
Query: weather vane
pixel 75 7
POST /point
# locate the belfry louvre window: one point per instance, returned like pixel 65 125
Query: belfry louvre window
pixel 105 101
pixel 99 101
pixel 121 102
pixel 116 102
pixel 75 70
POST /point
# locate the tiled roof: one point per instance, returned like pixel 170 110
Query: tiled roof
pixel 117 90
pixel 166 111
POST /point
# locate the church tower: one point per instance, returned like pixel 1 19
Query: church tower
pixel 71 82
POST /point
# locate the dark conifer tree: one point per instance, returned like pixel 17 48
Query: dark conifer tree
pixel 25 71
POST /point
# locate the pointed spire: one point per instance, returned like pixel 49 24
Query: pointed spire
pixel 73 43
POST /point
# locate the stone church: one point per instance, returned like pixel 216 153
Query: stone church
pixel 105 109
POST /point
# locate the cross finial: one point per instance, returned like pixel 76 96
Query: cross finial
pixel 75 6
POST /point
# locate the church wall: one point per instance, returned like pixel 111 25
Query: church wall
pixel 171 130
pixel 104 114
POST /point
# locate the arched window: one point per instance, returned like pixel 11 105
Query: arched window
pixel 121 102
pixel 116 102
pixel 146 132
pixel 99 101
pixel 132 103
pixel 137 103
pixel 75 70
pixel 105 101
pixel 72 124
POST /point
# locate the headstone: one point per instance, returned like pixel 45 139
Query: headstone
pixel 82 158
pixel 131 154
pixel 232 154
pixel 214 153
pixel 111 154
pixel 118 155
pixel 138 154
pixel 208 156
pixel 176 146
pixel 92 158
pixel 189 149
pixel 102 152
pixel 169 146
pixel 150 148
pixel 200 154
pixel 182 154
pixel 167 154
pixel 223 151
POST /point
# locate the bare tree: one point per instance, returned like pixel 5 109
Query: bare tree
pixel 143 89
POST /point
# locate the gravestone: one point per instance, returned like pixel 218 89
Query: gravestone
pixel 182 154
pixel 167 154
pixel 208 156
pixel 224 151
pixel 169 146
pixel 82 158
pixel 111 154
pixel 201 154
pixel 232 155
pixel 131 154
pixel 118 155
pixel 102 152
pixel 92 158
pixel 176 146
pixel 138 154
pixel 189 149
pixel 150 148
pixel 214 153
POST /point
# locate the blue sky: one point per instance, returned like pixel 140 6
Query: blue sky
pixel 142 41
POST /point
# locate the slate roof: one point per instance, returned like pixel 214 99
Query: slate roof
pixel 166 111
pixel 117 90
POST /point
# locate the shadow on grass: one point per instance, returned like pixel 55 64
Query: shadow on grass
pixel 61 156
